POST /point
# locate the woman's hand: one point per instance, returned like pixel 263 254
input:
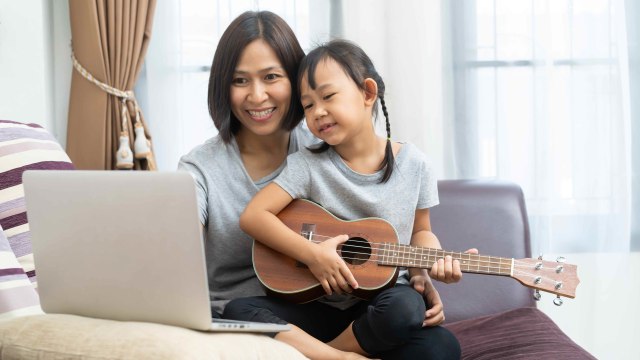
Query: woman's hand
pixel 435 312
pixel 448 270
pixel 329 268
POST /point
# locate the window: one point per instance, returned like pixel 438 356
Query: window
pixel 540 83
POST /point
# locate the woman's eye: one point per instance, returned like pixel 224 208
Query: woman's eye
pixel 271 76
pixel 327 97
pixel 239 81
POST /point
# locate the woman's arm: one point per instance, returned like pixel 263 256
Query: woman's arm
pixel 259 220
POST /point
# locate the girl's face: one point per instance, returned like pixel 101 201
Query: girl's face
pixel 260 89
pixel 337 110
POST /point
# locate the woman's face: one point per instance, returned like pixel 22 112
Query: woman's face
pixel 260 89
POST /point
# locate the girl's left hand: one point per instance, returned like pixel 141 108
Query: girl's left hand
pixel 448 270
pixel 435 312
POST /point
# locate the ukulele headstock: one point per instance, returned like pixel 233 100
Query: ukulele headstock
pixel 555 277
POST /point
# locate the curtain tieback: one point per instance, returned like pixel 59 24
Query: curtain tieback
pixel 142 145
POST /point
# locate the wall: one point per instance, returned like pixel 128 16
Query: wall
pixel 35 68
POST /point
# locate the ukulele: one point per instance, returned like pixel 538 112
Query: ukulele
pixel 373 255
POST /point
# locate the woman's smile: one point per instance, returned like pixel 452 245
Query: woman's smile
pixel 261 115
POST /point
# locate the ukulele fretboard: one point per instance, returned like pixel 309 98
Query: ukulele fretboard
pixel 421 257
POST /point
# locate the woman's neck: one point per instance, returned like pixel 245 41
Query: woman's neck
pixel 262 154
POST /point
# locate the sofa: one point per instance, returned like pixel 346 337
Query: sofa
pixel 493 317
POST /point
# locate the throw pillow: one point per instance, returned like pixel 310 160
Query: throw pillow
pixel 23 147
pixel 17 295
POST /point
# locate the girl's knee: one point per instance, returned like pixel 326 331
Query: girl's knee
pixel 404 306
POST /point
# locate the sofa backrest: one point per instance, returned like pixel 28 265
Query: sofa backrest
pixel 491 216
pixel 24 147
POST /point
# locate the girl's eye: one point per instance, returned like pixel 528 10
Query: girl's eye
pixel 306 107
pixel 327 97
pixel 239 81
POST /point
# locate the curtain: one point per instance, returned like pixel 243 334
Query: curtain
pixel 541 97
pixel 109 41
pixel 632 14
pixel 404 41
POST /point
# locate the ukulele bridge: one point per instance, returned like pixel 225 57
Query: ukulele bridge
pixel 307 232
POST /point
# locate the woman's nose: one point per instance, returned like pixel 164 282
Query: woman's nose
pixel 257 93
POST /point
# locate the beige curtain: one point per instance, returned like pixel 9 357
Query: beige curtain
pixel 109 40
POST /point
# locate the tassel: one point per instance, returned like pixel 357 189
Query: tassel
pixel 124 156
pixel 142 145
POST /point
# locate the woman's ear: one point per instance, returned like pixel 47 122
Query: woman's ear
pixel 370 91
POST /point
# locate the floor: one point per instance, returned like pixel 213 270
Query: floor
pixel 604 318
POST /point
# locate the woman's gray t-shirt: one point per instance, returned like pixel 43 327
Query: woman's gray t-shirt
pixel 223 189
pixel 324 178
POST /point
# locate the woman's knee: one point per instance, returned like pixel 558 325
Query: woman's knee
pixel 241 309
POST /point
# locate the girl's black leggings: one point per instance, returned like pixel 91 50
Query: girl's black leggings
pixel 389 326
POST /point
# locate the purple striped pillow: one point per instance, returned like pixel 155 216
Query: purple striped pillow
pixel 17 295
pixel 23 147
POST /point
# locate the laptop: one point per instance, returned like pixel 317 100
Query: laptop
pixel 122 246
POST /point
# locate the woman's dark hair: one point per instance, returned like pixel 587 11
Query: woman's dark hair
pixel 358 66
pixel 247 27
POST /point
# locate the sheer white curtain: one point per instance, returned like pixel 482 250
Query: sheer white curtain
pixel 173 86
pixel 542 98
pixel 404 40
pixel 536 92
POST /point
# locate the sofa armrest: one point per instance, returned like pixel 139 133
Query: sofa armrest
pixel 55 336
pixel 490 215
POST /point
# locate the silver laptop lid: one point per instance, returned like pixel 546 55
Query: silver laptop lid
pixel 119 245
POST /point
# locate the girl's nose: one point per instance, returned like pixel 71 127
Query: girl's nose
pixel 319 112
pixel 257 93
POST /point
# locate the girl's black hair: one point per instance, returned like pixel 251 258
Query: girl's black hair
pixel 358 66
pixel 247 27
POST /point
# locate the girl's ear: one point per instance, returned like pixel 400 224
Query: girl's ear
pixel 370 91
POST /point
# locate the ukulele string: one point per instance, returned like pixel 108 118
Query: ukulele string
pixel 481 261
pixel 483 266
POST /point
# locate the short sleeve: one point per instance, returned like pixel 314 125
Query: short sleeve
pixel 295 178
pixel 201 187
pixel 428 193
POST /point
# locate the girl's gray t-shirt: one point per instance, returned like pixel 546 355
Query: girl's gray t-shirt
pixel 223 190
pixel 324 178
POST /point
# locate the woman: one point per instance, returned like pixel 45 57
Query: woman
pixel 257 115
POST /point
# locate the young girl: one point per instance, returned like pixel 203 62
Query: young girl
pixel 354 174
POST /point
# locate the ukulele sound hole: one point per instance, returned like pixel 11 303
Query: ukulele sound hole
pixel 356 251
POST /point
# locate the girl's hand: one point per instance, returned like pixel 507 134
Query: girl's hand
pixel 448 270
pixel 435 312
pixel 329 268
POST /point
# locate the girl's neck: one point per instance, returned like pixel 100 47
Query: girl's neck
pixel 363 153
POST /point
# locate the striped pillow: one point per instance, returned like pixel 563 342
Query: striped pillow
pixel 23 147
pixel 17 295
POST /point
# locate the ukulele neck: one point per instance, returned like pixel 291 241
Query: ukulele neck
pixel 422 257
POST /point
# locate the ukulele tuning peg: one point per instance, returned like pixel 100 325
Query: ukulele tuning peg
pixel 557 301
pixel 537 295
pixel 560 259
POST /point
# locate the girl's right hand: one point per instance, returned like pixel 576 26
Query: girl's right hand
pixel 330 269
